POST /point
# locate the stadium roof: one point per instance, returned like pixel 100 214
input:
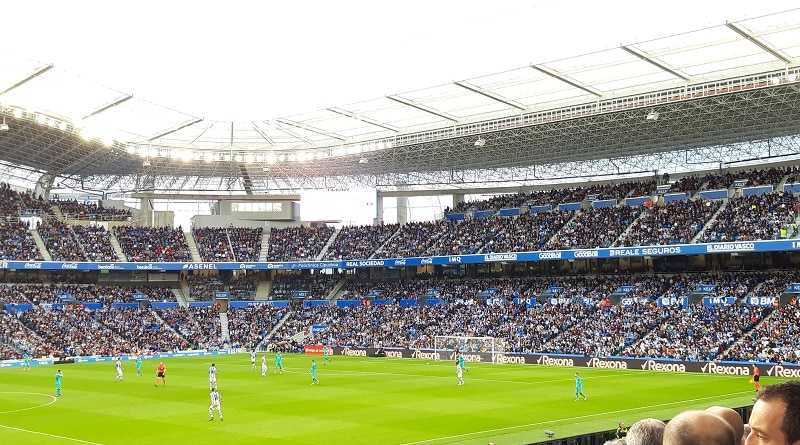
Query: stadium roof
pixel 722 85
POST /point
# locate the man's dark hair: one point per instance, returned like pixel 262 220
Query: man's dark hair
pixel 789 393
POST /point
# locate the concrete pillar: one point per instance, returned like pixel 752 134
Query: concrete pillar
pixel 378 209
pixel 402 209
pixel 457 197
pixel 147 212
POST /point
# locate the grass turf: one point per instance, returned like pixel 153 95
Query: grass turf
pixel 358 400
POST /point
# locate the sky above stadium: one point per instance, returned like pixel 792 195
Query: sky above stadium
pixel 255 60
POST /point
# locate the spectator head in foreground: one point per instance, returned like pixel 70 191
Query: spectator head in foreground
pixel 775 418
pixel 647 431
pixel 732 417
pixel 695 427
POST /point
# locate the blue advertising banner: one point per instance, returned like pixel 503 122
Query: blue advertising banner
pixel 547 208
pixel 673 301
pixel 638 201
pixel 671 197
pixel 793 288
pixel 792 188
pixel 760 190
pixel 509 212
pixel 719 301
pixel 604 203
pixel 714 194
pixel 705 288
pixel 510 257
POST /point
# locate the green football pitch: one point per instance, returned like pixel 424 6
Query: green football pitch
pixel 358 401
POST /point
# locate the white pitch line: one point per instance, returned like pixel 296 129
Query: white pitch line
pixel 567 419
pixel 30 394
pixel 35 407
pixel 49 435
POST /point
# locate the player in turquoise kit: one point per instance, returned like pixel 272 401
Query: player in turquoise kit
pixel 139 365
pixel 461 362
pixel 59 376
pixel 326 352
pixel 278 363
pixel 314 372
pixel 579 387
pixel 26 362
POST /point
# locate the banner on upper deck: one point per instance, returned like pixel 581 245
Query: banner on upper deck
pixel 548 255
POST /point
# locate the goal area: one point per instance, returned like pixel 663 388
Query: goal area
pixel 475 349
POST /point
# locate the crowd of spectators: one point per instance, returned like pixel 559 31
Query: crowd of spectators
pixel 17 243
pixel 144 244
pixel 60 292
pixel 573 315
pixel 298 243
pixel 318 286
pixel 228 244
pixel 199 326
pixel 359 242
pixel 250 325
pixel 756 217
pixel 414 239
pixel 529 232
pixel 60 241
pixel 553 197
pixel 468 236
pixel 94 211
pixel 243 287
pixel 596 228
pixel 205 287
pixel 759 217
pixel 676 222
pixel 96 243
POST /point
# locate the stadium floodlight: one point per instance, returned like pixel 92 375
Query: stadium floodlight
pixel 480 142
pixel 652 116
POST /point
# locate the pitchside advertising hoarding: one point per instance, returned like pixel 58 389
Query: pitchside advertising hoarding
pixel 782 370
pixel 787 370
pixel 553 255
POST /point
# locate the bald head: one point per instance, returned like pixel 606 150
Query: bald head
pixel 698 428
pixel 732 417
pixel 647 431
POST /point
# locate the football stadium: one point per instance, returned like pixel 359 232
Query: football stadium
pixel 597 248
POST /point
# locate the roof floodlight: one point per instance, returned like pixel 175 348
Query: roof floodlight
pixel 87 134
pixel 652 116
pixel 107 140
pixel 4 125
pixel 17 113
pixel 480 142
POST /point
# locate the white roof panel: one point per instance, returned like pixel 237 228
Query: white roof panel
pixel 707 54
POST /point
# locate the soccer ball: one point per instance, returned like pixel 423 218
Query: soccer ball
pixel 428 363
